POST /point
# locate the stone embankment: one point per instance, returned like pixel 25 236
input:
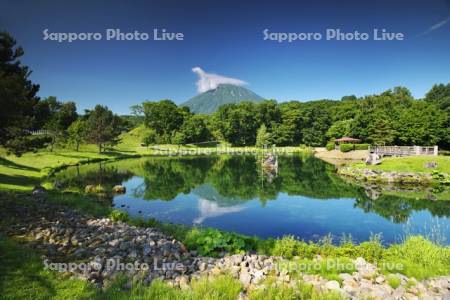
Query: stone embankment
pixel 102 248
pixel 386 177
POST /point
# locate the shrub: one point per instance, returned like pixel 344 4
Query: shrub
pixel 330 146
pixel 371 250
pixel 100 189
pixel 220 287
pixel 212 241
pixel 346 147
pixel 119 215
pixel 274 290
pixel 362 146
pixel 285 247
pixel 393 281
pixel 420 257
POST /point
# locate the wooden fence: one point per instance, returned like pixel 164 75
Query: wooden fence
pixel 39 132
pixel 404 150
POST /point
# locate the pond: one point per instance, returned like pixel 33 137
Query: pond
pixel 304 197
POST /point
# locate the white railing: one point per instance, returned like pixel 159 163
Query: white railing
pixel 404 150
pixel 38 132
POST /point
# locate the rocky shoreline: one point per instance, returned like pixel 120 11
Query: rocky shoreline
pixel 105 248
pixel 386 177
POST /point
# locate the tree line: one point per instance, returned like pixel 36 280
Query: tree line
pixel 393 117
pixel 22 111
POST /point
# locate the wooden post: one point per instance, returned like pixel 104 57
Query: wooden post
pixel 435 150
pixel 417 150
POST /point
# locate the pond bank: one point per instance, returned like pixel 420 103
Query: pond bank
pixel 66 236
pixel 410 170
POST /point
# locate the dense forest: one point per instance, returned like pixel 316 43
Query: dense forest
pixel 392 117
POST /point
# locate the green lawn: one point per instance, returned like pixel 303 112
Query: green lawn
pixel 22 173
pixel 22 276
pixel 410 164
pixel 26 171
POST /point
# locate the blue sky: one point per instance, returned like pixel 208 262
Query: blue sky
pixel 225 37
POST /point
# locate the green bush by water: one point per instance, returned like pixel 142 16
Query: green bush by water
pixel 119 215
pixel 330 146
pixel 351 147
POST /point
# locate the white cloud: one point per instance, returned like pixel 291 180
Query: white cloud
pixel 210 209
pixel 435 26
pixel 210 81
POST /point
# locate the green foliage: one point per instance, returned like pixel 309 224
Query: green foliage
pixel 262 136
pixel 220 287
pixel 420 257
pixel 61 116
pixel 284 291
pixel 351 147
pixel 212 242
pixel 340 129
pixel 393 280
pixel 102 127
pixel 330 146
pixel 22 276
pixel 163 116
pixel 150 137
pixel 393 117
pixel 194 130
pixel 76 133
pixel 287 247
pixel 119 215
pixel 362 146
pixel 346 147
pixel 17 97
pixel 439 95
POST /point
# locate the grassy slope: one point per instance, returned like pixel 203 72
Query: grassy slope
pixel 410 164
pixel 22 173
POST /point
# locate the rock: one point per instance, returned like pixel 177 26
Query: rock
pixel 69 235
pixel 119 189
pixel 184 282
pixel 332 285
pixel 245 278
pixel 114 243
pixel 431 165
pixel 89 189
pixel 146 250
pixel 380 279
pixel 365 269
pixel 345 276
pixel 202 266
pixel 38 191
pixel 258 276
pixel 215 271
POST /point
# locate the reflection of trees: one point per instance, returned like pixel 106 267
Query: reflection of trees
pixel 102 174
pixel 239 177
pixel 398 210
pixel 165 178
pixel 308 176
pixel 231 180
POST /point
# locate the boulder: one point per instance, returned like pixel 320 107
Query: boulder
pixel 89 189
pixel 431 165
pixel 119 189
pixel 38 191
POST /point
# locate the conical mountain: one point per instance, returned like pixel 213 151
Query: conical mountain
pixel 210 101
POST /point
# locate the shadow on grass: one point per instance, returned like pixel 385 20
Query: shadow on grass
pixel 18 180
pixel 20 272
pixel 10 164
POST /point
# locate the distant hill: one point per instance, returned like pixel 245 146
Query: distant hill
pixel 210 101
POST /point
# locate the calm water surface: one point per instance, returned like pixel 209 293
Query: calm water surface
pixel 303 198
